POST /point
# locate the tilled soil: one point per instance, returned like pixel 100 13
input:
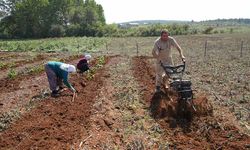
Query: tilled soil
pixel 60 123
pixel 202 131
pixel 55 123
pixel 20 90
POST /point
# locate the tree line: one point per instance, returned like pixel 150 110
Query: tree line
pixel 50 18
pixel 66 18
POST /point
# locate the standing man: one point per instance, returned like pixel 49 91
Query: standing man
pixel 162 53
pixel 57 73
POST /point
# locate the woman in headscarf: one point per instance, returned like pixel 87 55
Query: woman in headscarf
pixel 57 73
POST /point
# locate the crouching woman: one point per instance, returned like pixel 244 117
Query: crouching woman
pixel 83 64
pixel 57 73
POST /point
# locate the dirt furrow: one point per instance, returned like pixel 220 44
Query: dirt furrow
pixel 16 92
pixel 55 123
pixel 120 120
pixel 203 131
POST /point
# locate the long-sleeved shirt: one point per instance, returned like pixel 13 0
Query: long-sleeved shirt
pixel 60 73
pixel 82 65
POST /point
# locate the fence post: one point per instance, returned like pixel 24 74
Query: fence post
pixel 241 49
pixel 137 49
pixel 106 46
pixel 78 47
pixel 205 53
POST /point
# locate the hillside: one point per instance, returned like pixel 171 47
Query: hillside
pixel 227 22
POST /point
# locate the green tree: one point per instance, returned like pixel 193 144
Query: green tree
pixel 44 18
pixel 7 27
pixel 29 17
pixel 101 16
pixel 208 30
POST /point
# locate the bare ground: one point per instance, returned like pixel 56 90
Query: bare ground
pixel 117 109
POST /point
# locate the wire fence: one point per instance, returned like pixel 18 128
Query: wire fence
pixel 204 47
pixel 237 48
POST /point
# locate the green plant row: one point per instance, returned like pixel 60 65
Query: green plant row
pixel 55 44
pixel 100 62
pixel 7 65
pixel 12 74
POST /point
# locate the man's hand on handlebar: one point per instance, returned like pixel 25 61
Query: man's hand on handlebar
pixel 183 59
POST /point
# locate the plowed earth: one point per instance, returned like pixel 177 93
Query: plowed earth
pixel 54 123
pixel 202 131
pixel 60 123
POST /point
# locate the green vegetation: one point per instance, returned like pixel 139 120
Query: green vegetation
pixel 12 74
pixel 36 69
pixel 100 62
pixel 2 65
pixel 7 118
pixel 30 19
pixel 6 65
pixel 73 18
pixel 56 44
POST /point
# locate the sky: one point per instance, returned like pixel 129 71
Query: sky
pixel 117 11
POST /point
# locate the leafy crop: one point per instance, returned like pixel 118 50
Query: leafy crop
pixel 56 44
pixel 91 73
pixel 12 74
pixel 36 69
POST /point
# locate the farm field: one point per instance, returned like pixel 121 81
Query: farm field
pixel 116 103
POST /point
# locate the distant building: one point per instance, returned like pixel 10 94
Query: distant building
pixel 128 25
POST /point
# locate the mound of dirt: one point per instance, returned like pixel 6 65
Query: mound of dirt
pixel 203 106
pixel 166 105
pixel 163 105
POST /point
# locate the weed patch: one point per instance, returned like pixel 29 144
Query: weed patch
pixel 12 74
pixel 7 118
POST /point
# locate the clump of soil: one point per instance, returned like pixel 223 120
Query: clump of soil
pixel 168 105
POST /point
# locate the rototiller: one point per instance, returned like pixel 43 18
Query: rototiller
pixel 177 84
